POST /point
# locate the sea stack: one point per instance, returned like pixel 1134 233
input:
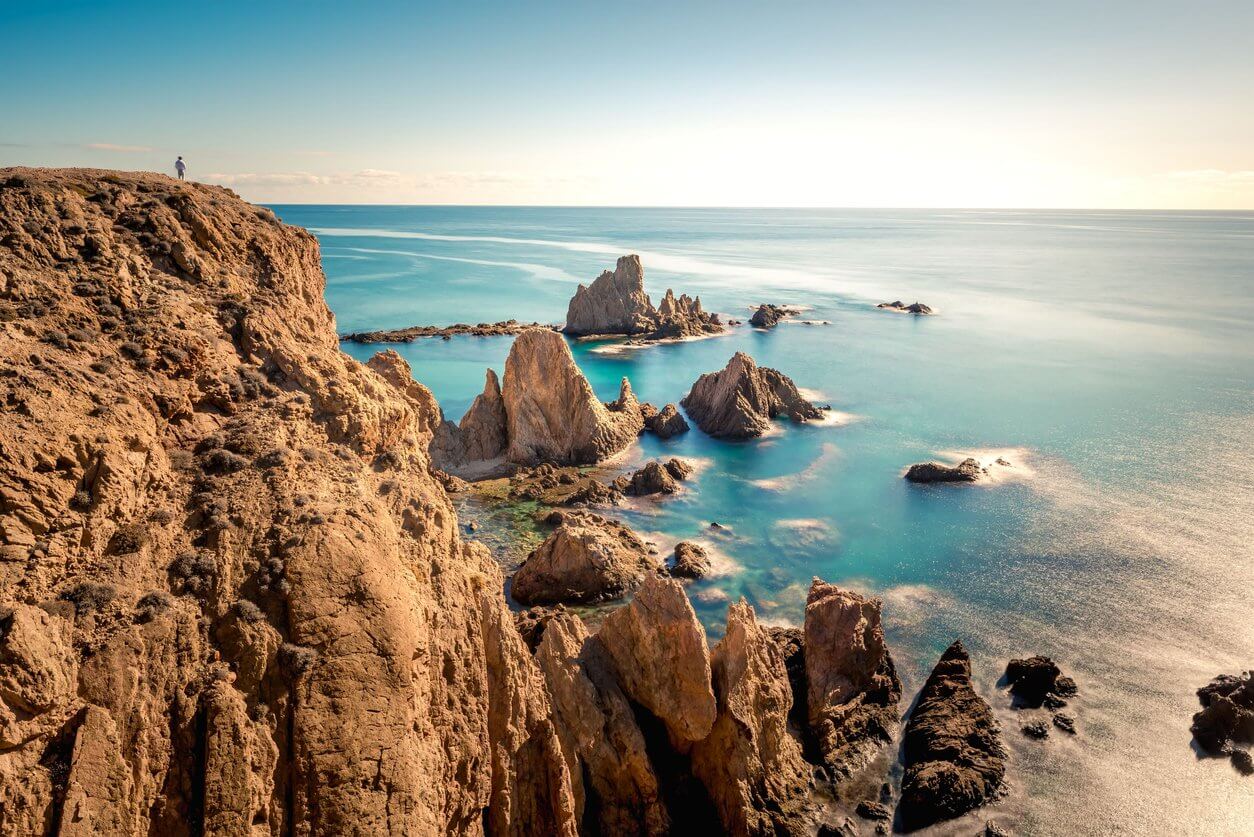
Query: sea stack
pixel 552 414
pixel 740 401
pixel 616 304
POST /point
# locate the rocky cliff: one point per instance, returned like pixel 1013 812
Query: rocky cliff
pixel 234 599
pixel 616 304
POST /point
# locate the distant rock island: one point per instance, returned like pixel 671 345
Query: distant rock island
pixel 412 333
pixel 740 401
pixel 901 308
pixel 615 304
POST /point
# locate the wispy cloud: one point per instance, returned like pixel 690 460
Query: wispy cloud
pixel 301 178
pixel 1214 175
pixel 125 149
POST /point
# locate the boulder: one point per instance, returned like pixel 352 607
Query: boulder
pixel 739 401
pixel 666 423
pixel 662 660
pixel 1227 715
pixel 588 558
pixel 691 561
pixel 552 414
pixel 968 470
pixel 653 478
pixel 1036 680
pixel 749 763
pixel 767 316
pixel 952 751
pixel 612 780
pixel 852 690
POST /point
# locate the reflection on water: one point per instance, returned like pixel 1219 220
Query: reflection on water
pixel 1109 357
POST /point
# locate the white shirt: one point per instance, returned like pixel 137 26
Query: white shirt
pixel 180 166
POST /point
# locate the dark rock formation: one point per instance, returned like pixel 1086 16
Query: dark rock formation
pixel 412 333
pixel 1037 681
pixel 851 685
pixel 1066 723
pixel 952 752
pixel 588 558
pixel 616 304
pixel 767 316
pixel 968 470
pixel 666 423
pixel 900 307
pixel 1036 729
pixel 690 561
pixel 656 478
pixel 1226 721
pixel 739 401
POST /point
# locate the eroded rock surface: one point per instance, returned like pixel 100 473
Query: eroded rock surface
pixel 691 561
pixel 666 423
pixel 588 558
pixel 616 304
pixel 952 751
pixel 968 470
pixel 552 414
pixel 740 401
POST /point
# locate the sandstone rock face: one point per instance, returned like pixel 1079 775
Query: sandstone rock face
pixel 749 763
pixel 952 752
pixel 275 627
pixel 691 561
pixel 616 304
pixel 661 658
pixel 484 427
pixel 587 559
pixel 739 401
pixel 552 414
pixel 852 686
pixel 613 781
pixel 666 423
pixel 968 470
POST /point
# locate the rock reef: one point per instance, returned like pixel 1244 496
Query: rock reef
pixel 952 751
pixel 968 470
pixel 615 304
pixel 902 308
pixel 740 401
pixel 411 333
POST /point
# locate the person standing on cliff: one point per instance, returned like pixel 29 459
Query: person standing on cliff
pixel 180 167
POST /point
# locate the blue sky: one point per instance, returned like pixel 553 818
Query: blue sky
pixel 1136 104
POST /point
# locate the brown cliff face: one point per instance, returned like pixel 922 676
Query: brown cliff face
pixel 235 599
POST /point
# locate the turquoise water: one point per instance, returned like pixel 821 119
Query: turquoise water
pixel 1109 355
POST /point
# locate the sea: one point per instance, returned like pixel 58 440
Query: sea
pixel 1108 356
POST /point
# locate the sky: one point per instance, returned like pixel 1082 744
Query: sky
pixel 1111 104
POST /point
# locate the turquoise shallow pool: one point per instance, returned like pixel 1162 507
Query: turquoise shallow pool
pixel 1109 356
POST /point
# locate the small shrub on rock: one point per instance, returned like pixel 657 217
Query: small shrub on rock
pixel 297 659
pixel 194 572
pixel 88 596
pixel 152 605
pixel 130 538
pixel 248 611
pixel 222 461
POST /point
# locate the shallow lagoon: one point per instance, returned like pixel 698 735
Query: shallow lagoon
pixel 1111 353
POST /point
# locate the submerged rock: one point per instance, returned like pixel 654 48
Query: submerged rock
pixel 852 690
pixel 553 415
pixel 588 558
pixel 661 658
pixel 968 470
pixel 616 304
pixel 739 401
pixel 690 562
pixel 952 751
pixel 666 423
pixel 749 763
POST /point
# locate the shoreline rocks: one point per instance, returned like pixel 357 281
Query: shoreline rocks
pixel 1226 720
pixel 411 333
pixel 615 304
pixel 951 749
pixel 740 401
pixel 901 308
pixel 587 559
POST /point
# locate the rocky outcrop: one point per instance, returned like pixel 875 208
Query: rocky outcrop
pixel 1037 681
pixel 952 752
pixel 691 561
pixel 566 486
pixel 767 316
pixel 484 427
pixel 740 401
pixel 661 658
pixel 749 763
pixel 656 478
pixel 552 414
pixel 968 470
pixel 412 333
pixel 901 308
pixel 586 559
pixel 616 304
pixel 234 595
pixel 852 690
pixel 614 784
pixel 1226 722
pixel 665 423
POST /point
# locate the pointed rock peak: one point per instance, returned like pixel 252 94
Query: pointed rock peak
pixel 626 397
pixel 492 384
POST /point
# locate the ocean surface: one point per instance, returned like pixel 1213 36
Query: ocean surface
pixel 1109 356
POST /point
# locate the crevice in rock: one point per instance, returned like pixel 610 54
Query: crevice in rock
pixel 686 799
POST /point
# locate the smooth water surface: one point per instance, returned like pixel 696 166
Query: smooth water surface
pixel 1109 356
